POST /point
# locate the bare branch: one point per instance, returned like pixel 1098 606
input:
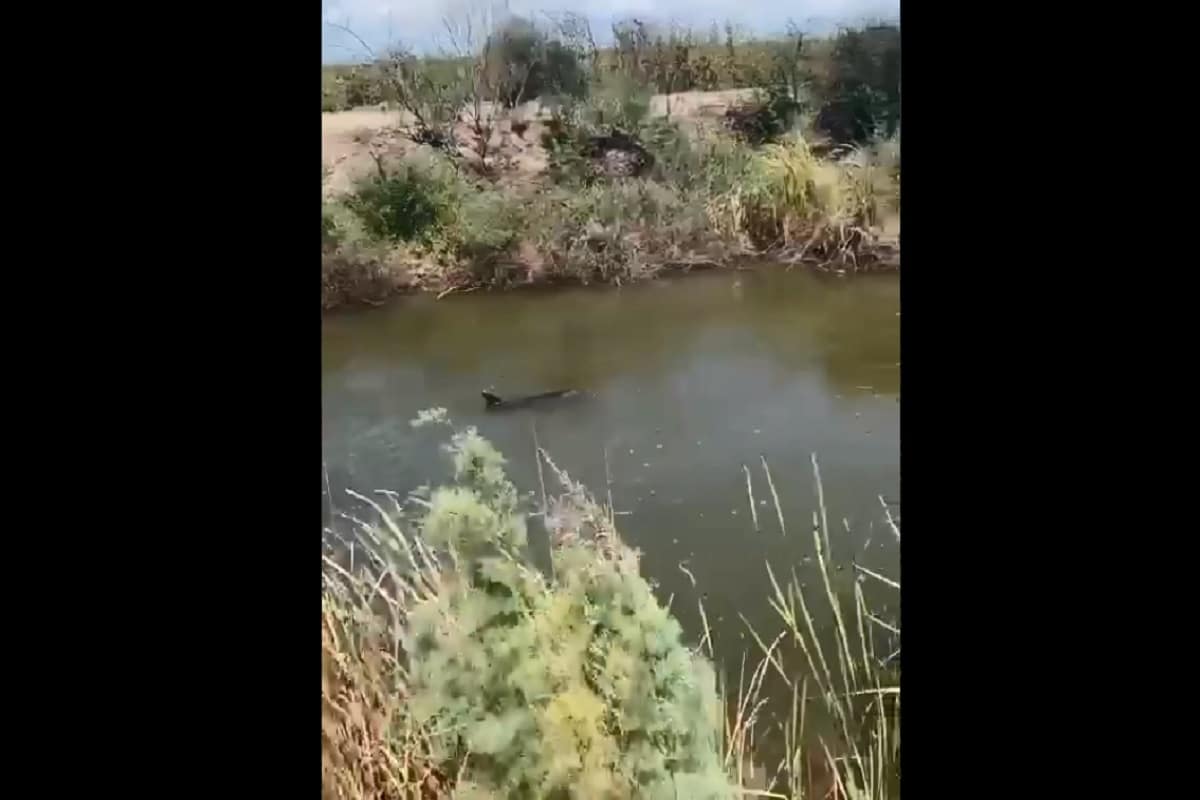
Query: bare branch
pixel 366 47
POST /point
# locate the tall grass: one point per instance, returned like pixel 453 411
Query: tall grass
pixel 854 684
pixel 827 210
pixel 436 629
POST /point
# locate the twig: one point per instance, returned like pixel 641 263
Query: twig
pixel 774 495
pixel 328 491
pixel 890 521
pixel 358 38
pixel 537 457
pixel 608 484
pixel 750 494
pixel 877 576
pixel 882 624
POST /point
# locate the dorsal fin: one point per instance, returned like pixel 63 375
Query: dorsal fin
pixel 492 400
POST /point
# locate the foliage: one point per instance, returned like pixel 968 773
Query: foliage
pixel 452 666
pixel 528 64
pixel 766 118
pixel 615 111
pixel 408 204
pixel 788 195
pixel 431 97
pixel 566 144
pixel 619 102
pixel 572 686
pixel 330 235
pixel 619 231
pixel 359 86
pixel 853 674
pixel 487 227
pixel 677 161
pixel 861 96
pixel 627 193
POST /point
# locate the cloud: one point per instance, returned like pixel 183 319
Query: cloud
pixel 418 23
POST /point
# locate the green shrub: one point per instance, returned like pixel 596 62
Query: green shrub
pixel 566 144
pixel 676 159
pixel 487 227
pixel 361 86
pixel 573 686
pixel 330 235
pixel 527 64
pixel 617 231
pixel 619 102
pixel 407 205
pixel 430 92
pixel 861 95
pixel 767 117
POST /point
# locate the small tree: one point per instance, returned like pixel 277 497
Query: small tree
pixel 862 94
pixel 790 66
pixel 467 27
pixel 575 35
pixel 527 63
pixel 433 104
pixel 402 77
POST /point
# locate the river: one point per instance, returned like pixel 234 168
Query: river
pixel 687 380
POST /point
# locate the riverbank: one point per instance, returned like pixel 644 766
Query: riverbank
pixel 452 665
pixel 556 198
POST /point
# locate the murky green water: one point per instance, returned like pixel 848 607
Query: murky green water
pixel 689 380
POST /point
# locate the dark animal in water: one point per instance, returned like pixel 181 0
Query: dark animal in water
pixel 494 402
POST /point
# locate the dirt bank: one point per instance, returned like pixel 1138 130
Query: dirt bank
pixel 349 137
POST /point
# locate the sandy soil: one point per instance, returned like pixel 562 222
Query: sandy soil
pixel 348 137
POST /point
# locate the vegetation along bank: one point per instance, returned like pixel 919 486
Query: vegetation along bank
pixel 534 157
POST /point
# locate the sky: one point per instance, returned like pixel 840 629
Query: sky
pixel 418 23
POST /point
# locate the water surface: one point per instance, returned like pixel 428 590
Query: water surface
pixel 688 379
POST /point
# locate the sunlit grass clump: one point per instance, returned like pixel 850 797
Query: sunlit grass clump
pixel 788 196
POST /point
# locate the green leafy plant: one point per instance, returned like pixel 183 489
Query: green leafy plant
pixel 527 64
pixel 487 228
pixel 408 204
pixel 576 685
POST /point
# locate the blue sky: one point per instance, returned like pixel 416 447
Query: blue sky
pixel 418 23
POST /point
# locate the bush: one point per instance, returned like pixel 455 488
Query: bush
pixel 576 685
pixel 410 204
pixel 330 235
pixel 675 158
pixel 619 102
pixel 487 228
pixel 452 666
pixel 787 195
pixel 861 96
pixel 767 118
pixel 526 64
pixel 361 87
pixel 621 230
pixel 430 94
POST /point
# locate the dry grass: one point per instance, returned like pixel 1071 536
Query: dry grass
pixel 370 748
pixel 854 685
pixel 807 208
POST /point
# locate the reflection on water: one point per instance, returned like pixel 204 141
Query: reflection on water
pixel 688 380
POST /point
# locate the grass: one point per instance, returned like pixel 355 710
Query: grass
pixel 853 684
pixel 790 201
pixel 396 724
